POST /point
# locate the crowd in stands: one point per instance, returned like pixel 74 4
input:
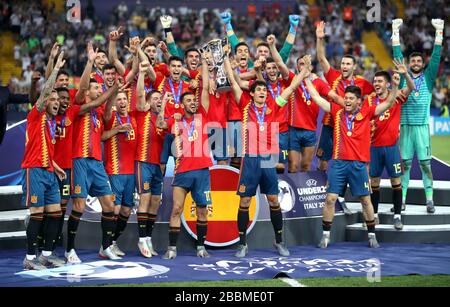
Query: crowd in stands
pixel 38 27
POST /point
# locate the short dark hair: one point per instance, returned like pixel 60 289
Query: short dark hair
pixel 269 60
pixel 257 83
pixel 108 66
pixel 383 73
pixel 186 94
pixel 62 72
pixel 93 80
pixel 62 89
pixel 262 44
pixel 191 49
pixel 175 58
pixel 153 92
pixel 239 45
pixel 414 54
pixel 349 56
pixel 354 90
pixel 102 51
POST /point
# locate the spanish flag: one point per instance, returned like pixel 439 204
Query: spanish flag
pixel 222 213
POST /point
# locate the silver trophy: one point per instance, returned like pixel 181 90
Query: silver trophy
pixel 215 48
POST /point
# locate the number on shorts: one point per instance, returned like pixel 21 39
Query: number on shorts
pixel 66 190
pixel 366 185
pixel 397 168
pixel 285 154
pixel 208 195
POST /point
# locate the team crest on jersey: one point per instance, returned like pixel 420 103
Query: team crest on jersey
pixel 34 199
pixel 269 110
pixel 242 188
pixel 359 116
pixel 68 122
pixel 77 189
pixel 146 185
pixel 198 122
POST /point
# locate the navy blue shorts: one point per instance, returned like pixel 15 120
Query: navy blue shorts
pixel 256 171
pixel 89 178
pixel 217 138
pixel 234 133
pixel 300 138
pixel 198 183
pixel 385 157
pixel 354 173
pixel 325 149
pixel 39 187
pixel 167 148
pixel 284 147
pixel 149 178
pixel 123 190
pixel 64 186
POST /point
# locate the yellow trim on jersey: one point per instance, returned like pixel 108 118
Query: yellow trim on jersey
pixel 115 151
pixel 244 128
pixel 145 137
pixel 337 133
pixel 178 146
pixel 86 134
pixel 44 152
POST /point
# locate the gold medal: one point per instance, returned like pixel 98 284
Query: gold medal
pixel 381 118
pixel 349 133
pixel 261 128
pixel 53 141
pixel 177 105
pixel 190 139
pixel 416 94
pixel 308 102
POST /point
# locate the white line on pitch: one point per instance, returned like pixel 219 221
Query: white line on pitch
pixel 291 282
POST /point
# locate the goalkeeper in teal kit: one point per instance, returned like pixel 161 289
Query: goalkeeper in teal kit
pixel 414 128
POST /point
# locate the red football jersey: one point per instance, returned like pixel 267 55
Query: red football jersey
pixel 88 135
pixel 150 139
pixel 234 111
pixel 217 114
pixel 303 110
pixel 334 79
pixel 39 149
pixel 120 149
pixel 162 68
pixel 98 75
pixel 172 106
pixel 72 93
pixel 64 136
pixel 257 140
pixel 192 151
pixel 277 88
pixel 352 145
pixel 387 125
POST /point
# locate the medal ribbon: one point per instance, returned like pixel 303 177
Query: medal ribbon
pixel 121 123
pixel 350 121
pixel 176 97
pixel 52 127
pixel 260 117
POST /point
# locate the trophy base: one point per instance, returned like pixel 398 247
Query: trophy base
pixel 222 89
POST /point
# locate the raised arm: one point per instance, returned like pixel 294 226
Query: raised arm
pixel 141 104
pixel 392 96
pixel 285 51
pixel 205 81
pixel 237 91
pixel 271 40
pixel 160 122
pixel 114 36
pixel 296 81
pixel 226 20
pixel 51 60
pixel 48 86
pixel 320 47
pixel 435 59
pixel 33 94
pixel 107 134
pixel 400 68
pixel 86 76
pixel 143 58
pixel 166 21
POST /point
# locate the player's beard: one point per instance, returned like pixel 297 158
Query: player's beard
pixel 416 71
